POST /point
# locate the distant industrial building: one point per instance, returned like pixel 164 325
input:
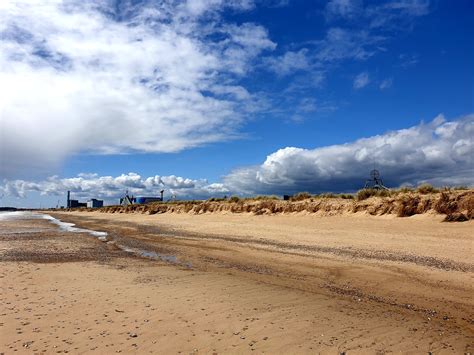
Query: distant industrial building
pixel 145 200
pixel 127 200
pixel 76 203
pixel 95 203
pixel 130 200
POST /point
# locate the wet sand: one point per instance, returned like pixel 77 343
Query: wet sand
pixel 237 284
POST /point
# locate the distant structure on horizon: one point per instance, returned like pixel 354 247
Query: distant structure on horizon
pixel 130 200
pixel 375 181
pixel 95 203
pixel 92 203
pixel 127 200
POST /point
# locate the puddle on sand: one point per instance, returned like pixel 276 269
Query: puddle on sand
pixel 172 259
pixel 69 227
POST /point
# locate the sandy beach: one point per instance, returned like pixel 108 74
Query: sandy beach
pixel 228 283
pixel 236 177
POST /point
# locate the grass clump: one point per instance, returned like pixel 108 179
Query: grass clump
pixel 456 217
pixel 460 188
pixel 446 204
pixel 234 199
pixel 265 197
pixel 333 195
pixel 366 193
pixel 426 189
pixel 467 204
pixel 300 196
pixel 408 206
pixel 216 199
pixel 261 198
pixel 327 195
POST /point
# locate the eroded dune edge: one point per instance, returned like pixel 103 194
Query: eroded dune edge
pixel 454 205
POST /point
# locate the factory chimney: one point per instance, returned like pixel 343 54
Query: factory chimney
pixel 68 203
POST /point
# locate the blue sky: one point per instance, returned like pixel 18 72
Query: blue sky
pixel 206 98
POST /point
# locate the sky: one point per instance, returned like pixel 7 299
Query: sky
pixel 239 97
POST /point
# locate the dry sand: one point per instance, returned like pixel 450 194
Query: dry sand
pixel 238 284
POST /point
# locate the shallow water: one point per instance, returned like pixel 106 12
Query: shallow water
pixel 67 227
pixel 150 254
pixel 103 236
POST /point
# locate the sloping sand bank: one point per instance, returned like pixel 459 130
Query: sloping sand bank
pixel 453 205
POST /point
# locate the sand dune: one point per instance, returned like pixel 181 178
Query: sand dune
pixel 453 205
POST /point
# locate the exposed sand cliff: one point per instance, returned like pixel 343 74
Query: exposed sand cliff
pixel 455 205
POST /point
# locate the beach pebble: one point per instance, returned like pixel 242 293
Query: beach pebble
pixel 27 344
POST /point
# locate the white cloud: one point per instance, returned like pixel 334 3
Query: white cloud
pixel 361 34
pixel 154 76
pixel 199 7
pixel 386 84
pixel 343 8
pixel 361 80
pixel 401 11
pixel 439 152
pixel 109 188
pixel 341 44
pixel 378 15
pixel 289 62
pixel 81 76
pixel 408 60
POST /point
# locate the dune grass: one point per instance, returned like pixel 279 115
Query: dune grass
pixel 456 203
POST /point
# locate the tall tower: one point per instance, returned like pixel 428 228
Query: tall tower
pixel 375 181
pixel 68 202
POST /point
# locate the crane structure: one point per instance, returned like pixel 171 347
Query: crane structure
pixel 375 181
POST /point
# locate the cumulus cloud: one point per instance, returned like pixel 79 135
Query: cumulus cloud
pixel 114 77
pixel 361 80
pixel 126 76
pixel 439 152
pixel 109 188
